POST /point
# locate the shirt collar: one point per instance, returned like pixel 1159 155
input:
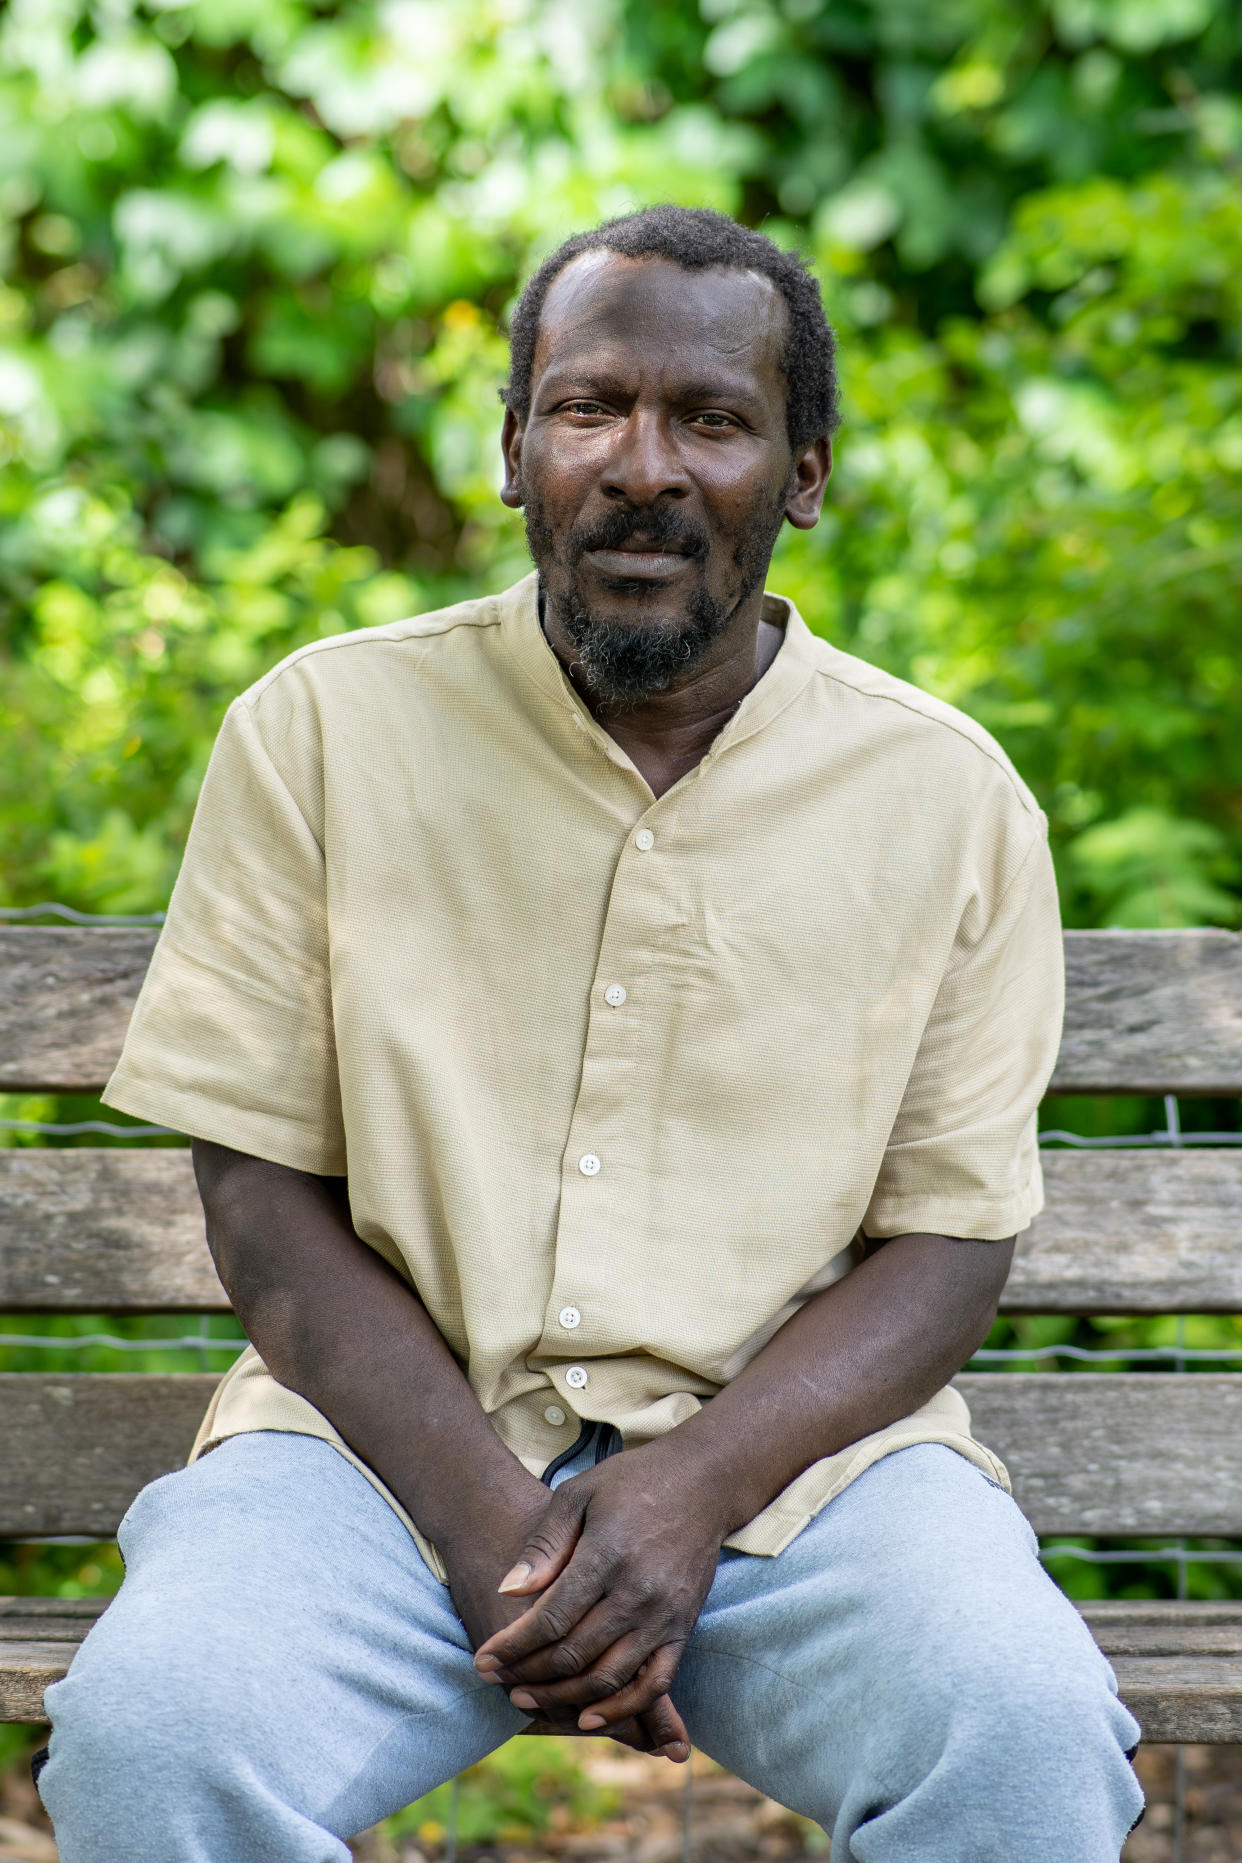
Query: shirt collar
pixel 767 698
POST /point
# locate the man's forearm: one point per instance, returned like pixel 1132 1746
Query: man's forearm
pixel 862 1354
pixel 332 1321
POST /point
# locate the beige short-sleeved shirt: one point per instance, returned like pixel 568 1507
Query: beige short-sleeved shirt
pixel 617 1082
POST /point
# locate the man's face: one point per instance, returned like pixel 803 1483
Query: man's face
pixel 655 466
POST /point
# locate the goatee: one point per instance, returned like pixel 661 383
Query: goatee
pixel 624 661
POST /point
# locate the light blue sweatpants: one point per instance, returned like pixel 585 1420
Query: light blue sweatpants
pixel 280 1671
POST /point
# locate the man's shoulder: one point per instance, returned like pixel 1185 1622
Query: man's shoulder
pixel 936 736
pixel 375 654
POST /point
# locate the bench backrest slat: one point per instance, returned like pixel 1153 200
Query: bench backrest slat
pixel 1099 1454
pixel 65 999
pixel 78 1447
pixel 121 1231
pixel 1116 1453
pixel 1146 1012
pixel 103 1231
pixel 1152 1012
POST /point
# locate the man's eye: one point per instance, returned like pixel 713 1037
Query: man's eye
pixel 720 422
pixel 585 407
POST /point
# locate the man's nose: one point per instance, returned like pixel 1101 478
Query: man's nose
pixel 645 462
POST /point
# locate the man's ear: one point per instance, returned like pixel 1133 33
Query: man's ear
pixel 511 447
pixel 808 481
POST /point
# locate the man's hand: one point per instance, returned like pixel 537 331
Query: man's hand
pixel 477 1564
pixel 623 1556
pixel 476 1569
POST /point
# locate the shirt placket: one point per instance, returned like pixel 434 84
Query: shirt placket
pixel 600 1168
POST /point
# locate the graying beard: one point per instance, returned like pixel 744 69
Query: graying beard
pixel 623 662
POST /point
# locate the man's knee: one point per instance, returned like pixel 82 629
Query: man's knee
pixel 1015 1743
pixel 169 1742
pixel 1029 1704
pixel 135 1736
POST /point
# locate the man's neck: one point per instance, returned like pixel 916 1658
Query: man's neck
pixel 665 734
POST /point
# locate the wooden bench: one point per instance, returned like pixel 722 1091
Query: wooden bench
pixel 1126 1232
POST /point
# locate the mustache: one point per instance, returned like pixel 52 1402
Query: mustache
pixel 657 527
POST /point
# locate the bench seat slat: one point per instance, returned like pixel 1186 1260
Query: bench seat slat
pixel 1146 1011
pixel 26 1669
pixel 1186 1698
pixel 1114 1618
pixel 1190 1689
pixel 121 1231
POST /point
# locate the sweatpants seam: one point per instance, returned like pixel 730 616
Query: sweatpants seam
pixel 406 1720
pixel 806 1688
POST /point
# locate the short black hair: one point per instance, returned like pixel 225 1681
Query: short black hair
pixel 699 238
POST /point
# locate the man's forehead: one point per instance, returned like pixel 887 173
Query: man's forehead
pixel 603 296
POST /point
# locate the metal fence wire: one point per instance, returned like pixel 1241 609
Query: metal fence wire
pixel 70 915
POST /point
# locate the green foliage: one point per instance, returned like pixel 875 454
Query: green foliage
pixel 256 264
pixel 514 1794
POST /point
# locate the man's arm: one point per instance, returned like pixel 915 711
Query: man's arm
pixel 630 1547
pixel 332 1321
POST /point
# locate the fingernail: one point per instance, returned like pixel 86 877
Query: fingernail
pixel 521 1698
pixel 486 1664
pixel 588 1721
pixel 514 1580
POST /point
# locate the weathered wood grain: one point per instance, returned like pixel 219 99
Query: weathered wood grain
pixel 1117 1453
pixel 1122 1453
pixel 77 1448
pixel 65 999
pixel 1152 1012
pixel 121 1231
pixel 26 1669
pixel 1178 1664
pixel 1111 1616
pixel 1165 1641
pixel 56 1620
pixel 1133 1232
pixel 1191 1698
pixel 1146 1012
pixel 103 1231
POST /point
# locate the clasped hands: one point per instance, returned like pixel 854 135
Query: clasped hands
pixel 618 1561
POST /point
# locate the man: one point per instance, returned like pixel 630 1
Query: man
pixel 611 1023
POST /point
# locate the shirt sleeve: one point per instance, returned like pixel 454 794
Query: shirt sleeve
pixel 232 1036
pixel 962 1158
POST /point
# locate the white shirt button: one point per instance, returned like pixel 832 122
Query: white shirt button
pixel 615 995
pixel 554 1414
pixel 569 1317
pixel 576 1377
pixel 588 1164
pixel 644 840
